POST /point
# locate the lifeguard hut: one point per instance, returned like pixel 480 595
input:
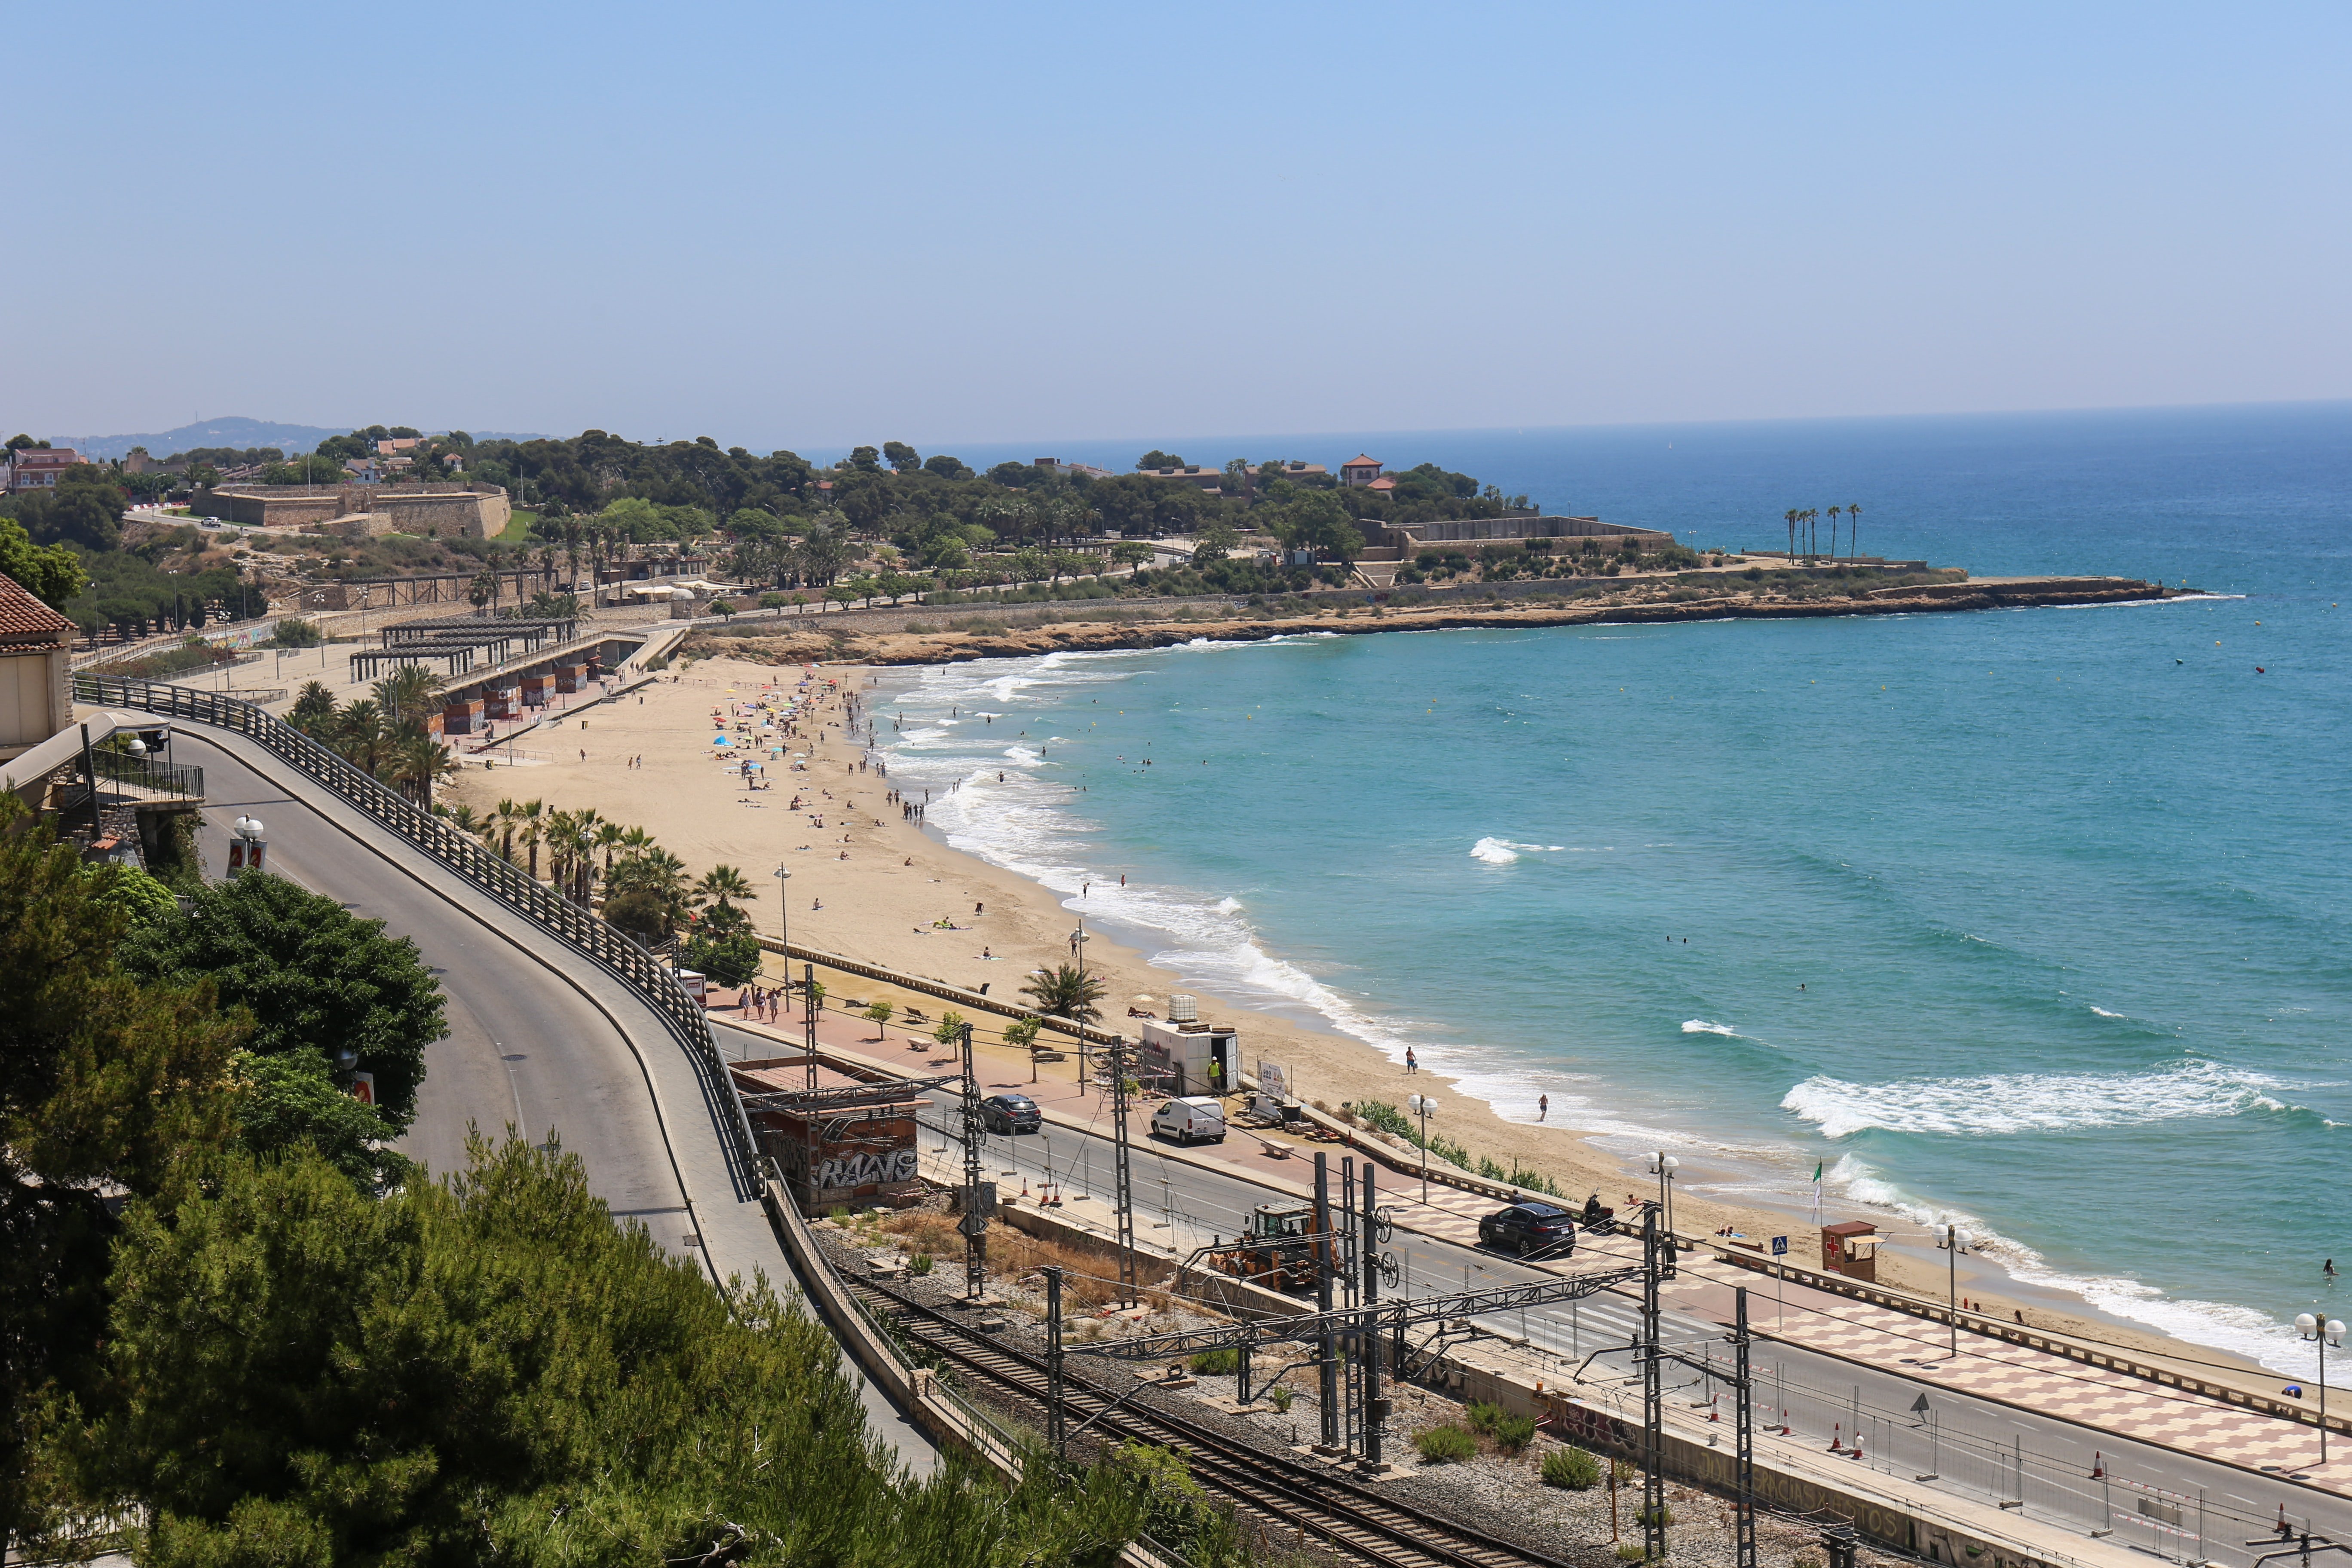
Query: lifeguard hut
pixel 1851 1248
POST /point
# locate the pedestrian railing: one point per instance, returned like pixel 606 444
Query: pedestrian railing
pixel 605 945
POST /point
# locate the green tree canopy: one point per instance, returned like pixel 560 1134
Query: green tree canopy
pixel 313 975
pixel 51 574
pixel 107 1085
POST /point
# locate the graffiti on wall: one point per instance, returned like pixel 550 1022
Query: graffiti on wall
pixel 866 1170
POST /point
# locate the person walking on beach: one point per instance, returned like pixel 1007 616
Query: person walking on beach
pixel 1543 1106
pixel 1410 1065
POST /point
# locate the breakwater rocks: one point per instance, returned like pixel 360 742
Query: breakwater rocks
pixel 969 632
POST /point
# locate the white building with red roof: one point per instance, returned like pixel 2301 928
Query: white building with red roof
pixel 1360 470
pixel 35 689
pixel 38 468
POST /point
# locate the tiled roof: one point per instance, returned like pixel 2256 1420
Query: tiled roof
pixel 1360 461
pixel 21 615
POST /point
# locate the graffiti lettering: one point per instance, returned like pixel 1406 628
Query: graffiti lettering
pixel 866 1170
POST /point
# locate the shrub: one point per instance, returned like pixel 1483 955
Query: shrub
pixel 1445 1444
pixel 1642 1516
pixel 1571 1470
pixel 1629 1554
pixel 920 1265
pixel 1514 1433
pixel 1387 1118
pixel 1282 1397
pixel 1217 1362
pixel 1482 1416
pixel 295 632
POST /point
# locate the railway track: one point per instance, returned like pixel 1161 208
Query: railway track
pixel 1354 1519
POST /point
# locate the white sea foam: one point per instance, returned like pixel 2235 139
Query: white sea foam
pixel 2000 1103
pixel 1494 851
pixel 2103 1013
pixel 1701 1027
pixel 2242 1330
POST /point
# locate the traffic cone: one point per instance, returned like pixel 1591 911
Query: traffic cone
pixel 1855 1452
pixel 1837 1439
pixel 1024 1186
pixel 1712 1413
pixel 2098 1465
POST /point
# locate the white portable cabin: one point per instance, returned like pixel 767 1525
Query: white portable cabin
pixel 1176 1055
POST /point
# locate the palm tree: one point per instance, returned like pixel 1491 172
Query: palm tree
pixel 720 887
pixel 531 819
pixel 461 817
pixel 1833 517
pixel 362 734
pixel 1791 515
pixel 503 821
pixel 314 707
pixel 408 694
pixel 418 762
pixel 1066 991
pixel 1853 545
pixel 610 836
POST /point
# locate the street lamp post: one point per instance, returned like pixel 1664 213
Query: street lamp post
pixel 1949 1239
pixel 246 853
pixel 784 903
pixel 1662 1165
pixel 2322 1333
pixel 1421 1105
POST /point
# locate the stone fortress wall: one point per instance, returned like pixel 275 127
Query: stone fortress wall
pixel 426 510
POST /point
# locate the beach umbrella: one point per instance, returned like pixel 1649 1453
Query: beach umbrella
pixel 1139 997
pixel 721 741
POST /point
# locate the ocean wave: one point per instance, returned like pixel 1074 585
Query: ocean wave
pixel 2103 1013
pixel 1701 1027
pixel 1503 851
pixel 1994 1104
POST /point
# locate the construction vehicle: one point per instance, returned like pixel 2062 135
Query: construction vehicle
pixel 1279 1252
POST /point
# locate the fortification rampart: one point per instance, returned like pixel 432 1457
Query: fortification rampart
pixel 427 511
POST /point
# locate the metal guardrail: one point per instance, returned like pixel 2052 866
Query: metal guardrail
pixel 606 946
pixel 177 779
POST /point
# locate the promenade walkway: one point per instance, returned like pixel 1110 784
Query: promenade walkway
pixel 2100 1399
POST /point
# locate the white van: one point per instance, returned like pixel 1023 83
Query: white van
pixel 1195 1119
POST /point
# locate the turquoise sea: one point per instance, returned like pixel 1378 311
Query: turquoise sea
pixel 2032 918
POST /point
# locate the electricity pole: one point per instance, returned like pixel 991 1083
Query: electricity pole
pixel 1368 1343
pixel 1326 1371
pixel 975 1222
pixel 1123 1176
pixel 1653 1431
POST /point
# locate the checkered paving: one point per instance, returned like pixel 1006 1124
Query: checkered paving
pixel 2104 1400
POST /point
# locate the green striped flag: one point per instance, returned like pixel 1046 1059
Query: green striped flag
pixel 1818 1167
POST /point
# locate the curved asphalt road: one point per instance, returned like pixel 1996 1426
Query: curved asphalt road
pixel 539 1038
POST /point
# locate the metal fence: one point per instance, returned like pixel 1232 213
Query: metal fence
pixel 178 780
pixel 606 946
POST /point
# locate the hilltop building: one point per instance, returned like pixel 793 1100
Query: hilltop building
pixel 38 468
pixel 1360 470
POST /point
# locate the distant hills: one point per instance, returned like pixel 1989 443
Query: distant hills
pixel 236 432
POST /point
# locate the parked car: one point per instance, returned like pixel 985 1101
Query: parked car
pixel 1194 1119
pixel 1529 1227
pixel 1010 1113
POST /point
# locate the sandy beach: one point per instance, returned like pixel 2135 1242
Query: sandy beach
pixel 869 885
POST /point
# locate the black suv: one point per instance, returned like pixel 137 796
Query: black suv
pixel 1010 1113
pixel 1529 1227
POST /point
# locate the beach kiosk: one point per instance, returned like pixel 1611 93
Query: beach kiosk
pixel 1851 1248
pixel 1185 1055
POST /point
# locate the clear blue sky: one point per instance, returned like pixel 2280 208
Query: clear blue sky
pixel 806 225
